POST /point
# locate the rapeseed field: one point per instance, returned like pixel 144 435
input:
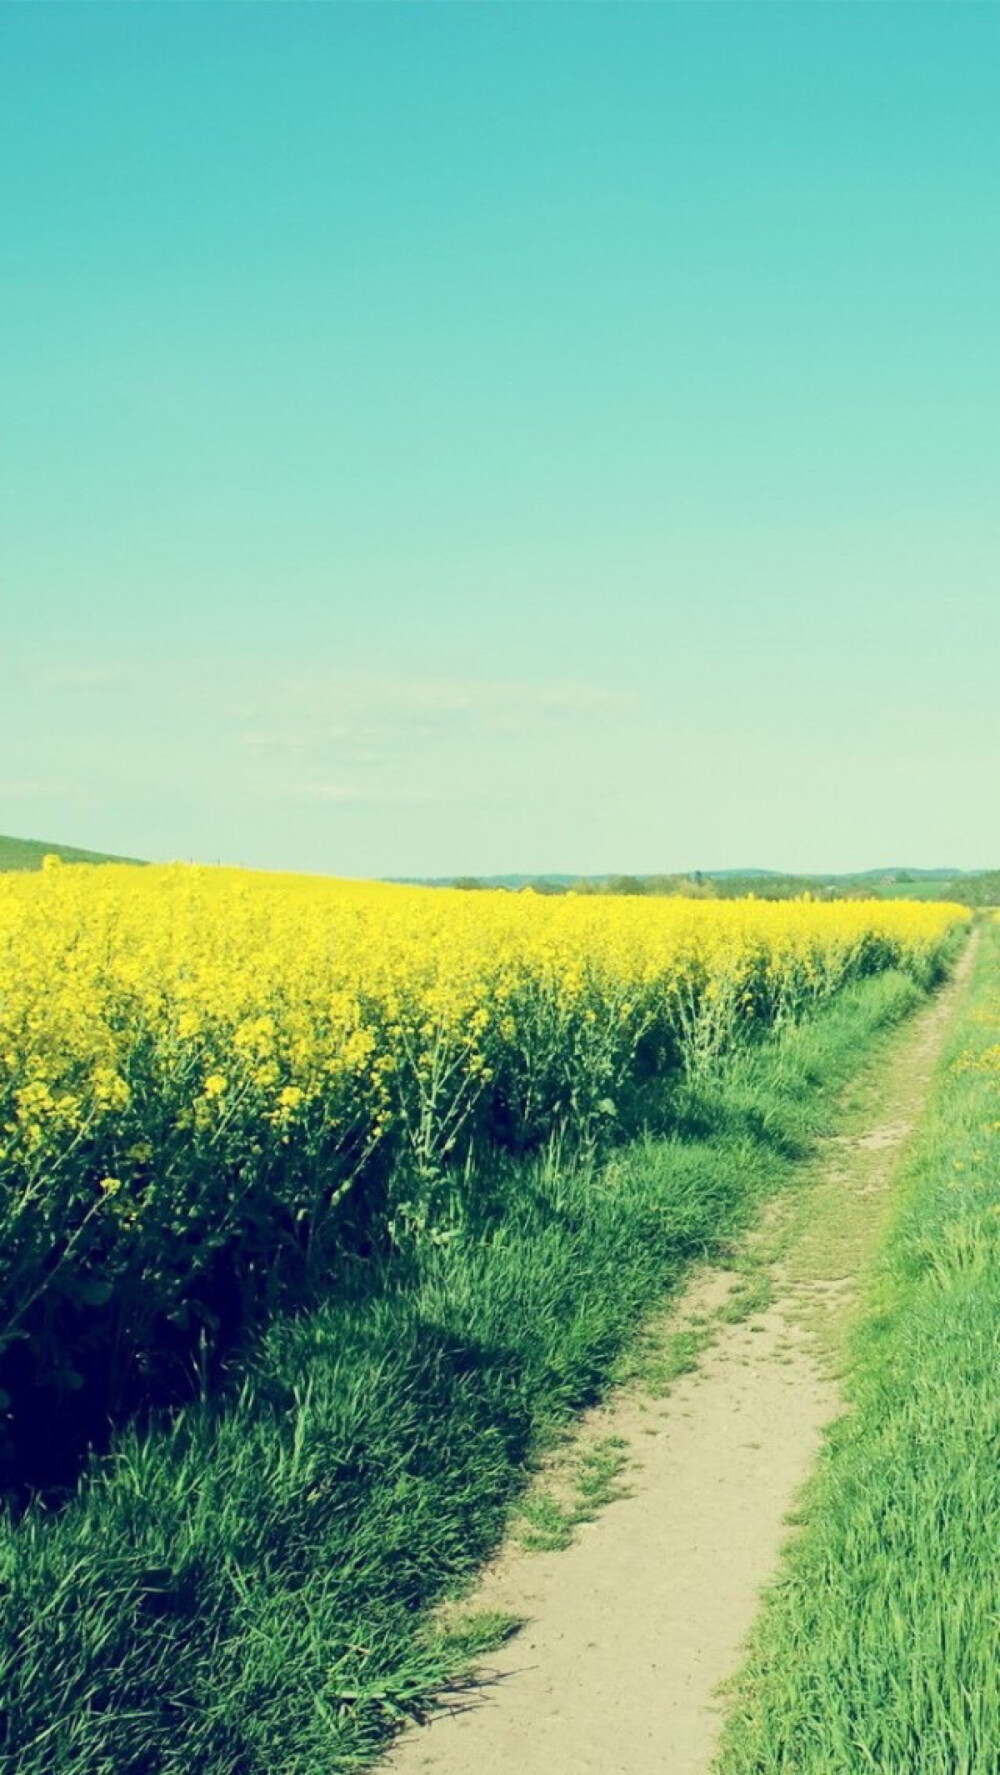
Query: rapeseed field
pixel 210 1079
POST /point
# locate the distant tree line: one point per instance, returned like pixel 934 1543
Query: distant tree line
pixel 978 890
pixel 689 887
pixel 969 890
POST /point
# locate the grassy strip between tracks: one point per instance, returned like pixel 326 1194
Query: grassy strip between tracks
pixel 879 1648
pixel 247 1587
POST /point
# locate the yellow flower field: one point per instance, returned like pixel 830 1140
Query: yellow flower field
pixel 197 1063
pixel 265 1002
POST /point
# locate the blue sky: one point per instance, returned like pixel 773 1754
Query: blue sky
pixel 443 438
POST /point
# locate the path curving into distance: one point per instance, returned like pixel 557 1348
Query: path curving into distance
pixel 630 1631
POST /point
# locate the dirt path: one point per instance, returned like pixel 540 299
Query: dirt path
pixel 630 1631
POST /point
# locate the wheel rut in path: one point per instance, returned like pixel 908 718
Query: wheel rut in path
pixel 630 1631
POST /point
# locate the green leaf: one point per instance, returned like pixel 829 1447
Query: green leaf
pixel 89 1291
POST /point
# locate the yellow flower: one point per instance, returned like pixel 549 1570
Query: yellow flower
pixel 394 1011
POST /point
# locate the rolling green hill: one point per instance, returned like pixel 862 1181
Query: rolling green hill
pixel 27 853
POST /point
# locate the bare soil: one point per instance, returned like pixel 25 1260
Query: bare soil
pixel 630 1632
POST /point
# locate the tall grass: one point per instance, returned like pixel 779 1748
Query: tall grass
pixel 244 1587
pixel 880 1647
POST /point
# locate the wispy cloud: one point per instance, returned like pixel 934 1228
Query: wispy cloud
pixel 319 736
pixel 298 708
pixel 275 744
pixel 27 791
pixel 362 737
pixel 484 697
pixel 274 713
pixel 386 796
pixel 328 792
pixel 96 679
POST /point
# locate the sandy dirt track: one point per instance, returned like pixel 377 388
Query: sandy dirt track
pixel 630 1631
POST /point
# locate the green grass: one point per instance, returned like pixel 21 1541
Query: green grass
pixel 933 889
pixel 27 853
pixel 878 1649
pixel 250 1586
pixel 549 1515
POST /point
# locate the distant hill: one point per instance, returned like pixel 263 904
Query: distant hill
pixel 970 887
pixel 27 853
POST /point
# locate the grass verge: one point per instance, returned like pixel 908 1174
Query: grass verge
pixel 877 1649
pixel 247 1586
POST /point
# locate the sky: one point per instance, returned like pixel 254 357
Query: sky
pixel 447 439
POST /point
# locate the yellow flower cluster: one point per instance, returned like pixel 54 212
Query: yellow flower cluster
pixel 197 1058
pixel 237 1000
